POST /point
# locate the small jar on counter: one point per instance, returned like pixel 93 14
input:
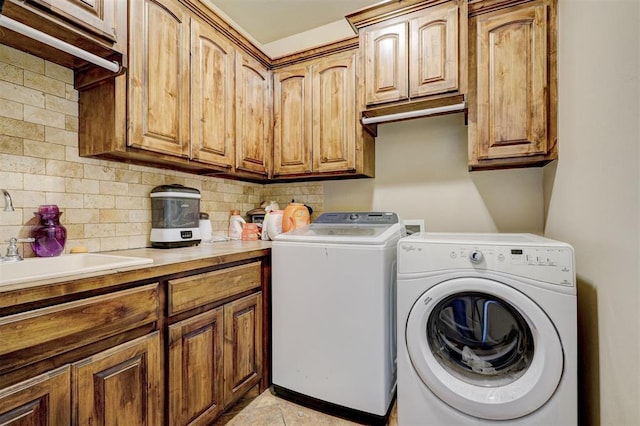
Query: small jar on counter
pixel 249 232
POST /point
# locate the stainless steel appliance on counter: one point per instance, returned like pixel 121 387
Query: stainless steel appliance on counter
pixel 175 216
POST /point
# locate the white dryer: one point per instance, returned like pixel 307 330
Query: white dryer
pixel 486 330
pixel 333 313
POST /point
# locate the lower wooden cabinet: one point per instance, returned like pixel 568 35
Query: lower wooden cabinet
pixel 214 341
pixel 42 400
pixel 243 360
pixel 175 352
pixel 214 358
pixel 120 386
pixel 195 369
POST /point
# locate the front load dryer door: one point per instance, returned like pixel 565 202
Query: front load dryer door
pixel 484 348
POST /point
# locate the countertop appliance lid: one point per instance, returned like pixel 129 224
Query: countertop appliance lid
pixel 174 190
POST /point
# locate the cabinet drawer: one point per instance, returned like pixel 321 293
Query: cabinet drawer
pixel 198 290
pixel 70 325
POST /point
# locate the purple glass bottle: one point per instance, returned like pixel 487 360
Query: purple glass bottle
pixel 49 236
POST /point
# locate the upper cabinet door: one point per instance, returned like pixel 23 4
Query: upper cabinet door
pixel 434 50
pixel 512 82
pixel 334 114
pixel 159 77
pixel 97 16
pixel 292 147
pixel 386 62
pixel 212 97
pixel 253 116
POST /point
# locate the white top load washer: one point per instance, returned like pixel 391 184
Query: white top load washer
pixel 333 310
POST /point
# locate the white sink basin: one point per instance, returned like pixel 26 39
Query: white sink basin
pixel 40 268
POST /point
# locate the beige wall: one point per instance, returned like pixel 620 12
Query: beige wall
pixel 421 173
pixel 592 197
pixel 106 205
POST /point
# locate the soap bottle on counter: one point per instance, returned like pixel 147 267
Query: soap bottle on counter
pixel 235 225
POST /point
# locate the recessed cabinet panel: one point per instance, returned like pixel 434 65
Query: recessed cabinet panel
pixel 292 121
pixel 335 116
pixel 120 386
pixel 212 97
pixel 159 84
pixel 41 401
pixel 512 83
pixel 242 346
pixel 196 369
pixel 386 66
pixel 434 51
pixel 253 116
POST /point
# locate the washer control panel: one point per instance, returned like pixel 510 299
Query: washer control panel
pixel 554 264
pixel 358 218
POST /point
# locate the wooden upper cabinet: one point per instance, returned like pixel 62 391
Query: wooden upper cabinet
pixel 212 96
pixel 292 130
pixel 159 77
pixel 413 55
pixel 434 57
pixel 253 116
pixel 386 62
pixel 96 16
pixel 334 114
pixel 316 132
pixel 512 120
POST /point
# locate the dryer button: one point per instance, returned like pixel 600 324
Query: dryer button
pixel 476 256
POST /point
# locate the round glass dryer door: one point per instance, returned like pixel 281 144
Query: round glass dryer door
pixel 484 348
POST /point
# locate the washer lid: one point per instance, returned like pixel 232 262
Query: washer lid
pixel 484 348
pixel 348 228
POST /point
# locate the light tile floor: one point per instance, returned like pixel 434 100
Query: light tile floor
pixel 269 410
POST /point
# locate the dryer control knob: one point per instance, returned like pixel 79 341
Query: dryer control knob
pixel 476 256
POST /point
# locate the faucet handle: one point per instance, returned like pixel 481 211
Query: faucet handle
pixel 12 249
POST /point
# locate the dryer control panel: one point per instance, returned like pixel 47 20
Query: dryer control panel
pixel 554 264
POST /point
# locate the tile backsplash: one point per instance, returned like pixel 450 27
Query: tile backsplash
pixel 105 204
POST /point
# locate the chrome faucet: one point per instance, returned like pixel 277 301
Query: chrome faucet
pixel 12 250
pixel 8 205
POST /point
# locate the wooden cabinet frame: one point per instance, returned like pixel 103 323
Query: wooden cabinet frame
pixel 317 97
pixel 136 350
pixel 513 84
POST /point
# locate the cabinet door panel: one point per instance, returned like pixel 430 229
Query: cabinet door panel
pixel 434 51
pixel 212 99
pixel 253 116
pixel 386 67
pixel 334 109
pixel 292 121
pixel 97 16
pixel 512 83
pixel 242 346
pixel 196 369
pixel 159 77
pixel 44 400
pixel 120 386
